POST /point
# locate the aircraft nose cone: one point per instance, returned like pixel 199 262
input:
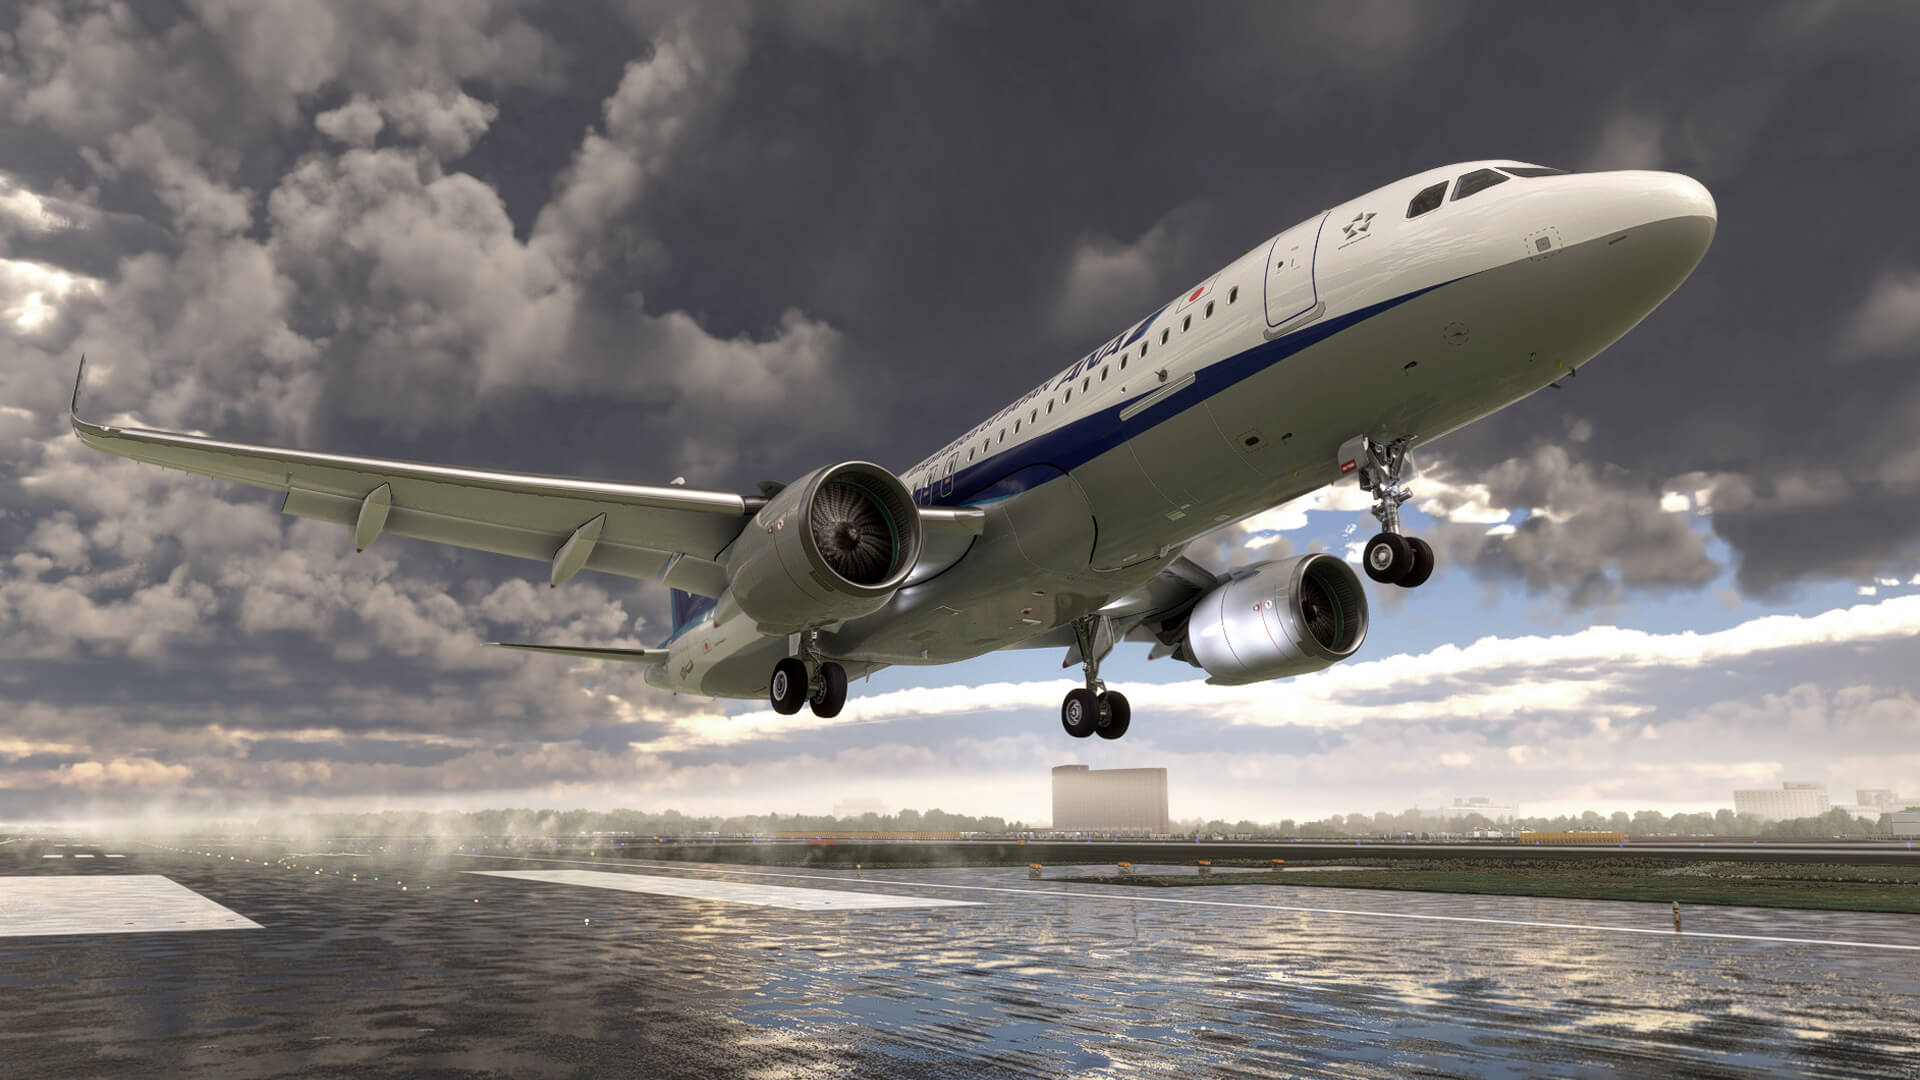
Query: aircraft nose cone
pixel 1673 195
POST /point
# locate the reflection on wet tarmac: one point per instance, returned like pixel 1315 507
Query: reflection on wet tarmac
pixel 353 974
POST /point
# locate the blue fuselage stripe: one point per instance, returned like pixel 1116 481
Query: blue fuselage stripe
pixel 1019 468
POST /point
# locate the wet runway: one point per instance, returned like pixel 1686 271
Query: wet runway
pixel 390 966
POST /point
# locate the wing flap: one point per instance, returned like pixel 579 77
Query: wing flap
pixel 628 656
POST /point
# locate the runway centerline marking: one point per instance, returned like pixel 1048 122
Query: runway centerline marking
pixel 732 892
pixel 1292 908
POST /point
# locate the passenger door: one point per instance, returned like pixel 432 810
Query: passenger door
pixel 946 482
pixel 1290 289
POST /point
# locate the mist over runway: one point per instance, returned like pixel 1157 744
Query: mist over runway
pixel 360 963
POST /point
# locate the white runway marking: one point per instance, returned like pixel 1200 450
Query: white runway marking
pixel 1295 908
pixel 108 904
pixel 779 896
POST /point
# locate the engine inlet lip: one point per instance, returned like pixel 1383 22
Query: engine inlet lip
pixel 894 502
pixel 1339 579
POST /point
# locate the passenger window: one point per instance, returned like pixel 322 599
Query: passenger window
pixel 1069 396
pixel 1087 383
pixel 1428 199
pixel 1103 374
pixel 1123 363
pixel 1163 336
pixel 1476 182
pixel 969 453
pixel 1035 418
pixel 1186 324
pixel 1016 427
pixel 1209 309
pixel 1143 350
pixel 1049 406
pixel 1233 294
pixel 1003 434
pixel 1531 170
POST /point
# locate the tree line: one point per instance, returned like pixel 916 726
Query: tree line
pixel 530 822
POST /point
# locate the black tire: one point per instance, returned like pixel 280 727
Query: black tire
pixel 1080 713
pixel 1422 567
pixel 1388 558
pixel 831 695
pixel 787 690
pixel 1114 704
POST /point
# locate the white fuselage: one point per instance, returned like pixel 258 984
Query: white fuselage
pixel 1236 395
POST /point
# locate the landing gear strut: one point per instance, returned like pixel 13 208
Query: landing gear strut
pixel 1094 710
pixel 1391 558
pixel 811 681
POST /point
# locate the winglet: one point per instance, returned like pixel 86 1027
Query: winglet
pixel 87 431
pixel 73 407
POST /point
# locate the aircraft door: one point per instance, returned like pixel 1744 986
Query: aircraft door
pixel 946 481
pixel 1290 289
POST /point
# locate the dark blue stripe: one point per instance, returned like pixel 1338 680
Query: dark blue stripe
pixel 1012 470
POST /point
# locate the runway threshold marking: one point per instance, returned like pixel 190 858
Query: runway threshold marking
pixel 108 904
pixel 733 892
pixel 1294 908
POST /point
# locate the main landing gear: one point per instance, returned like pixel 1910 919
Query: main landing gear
pixel 813 681
pixel 1094 710
pixel 1390 558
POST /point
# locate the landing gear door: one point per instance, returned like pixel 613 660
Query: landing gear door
pixel 1290 288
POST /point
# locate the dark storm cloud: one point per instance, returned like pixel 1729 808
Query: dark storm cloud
pixel 732 241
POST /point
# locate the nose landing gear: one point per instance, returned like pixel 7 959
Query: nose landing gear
pixel 812 681
pixel 1094 710
pixel 1390 558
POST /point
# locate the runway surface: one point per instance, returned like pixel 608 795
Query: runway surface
pixel 442 965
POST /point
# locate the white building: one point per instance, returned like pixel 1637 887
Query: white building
pixel 1476 804
pixel 1791 800
pixel 1905 822
pixel 1884 798
pixel 1110 800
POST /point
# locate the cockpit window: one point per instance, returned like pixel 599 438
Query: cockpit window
pixel 1531 170
pixel 1428 199
pixel 1476 182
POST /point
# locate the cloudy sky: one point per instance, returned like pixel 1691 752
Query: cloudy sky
pixel 731 242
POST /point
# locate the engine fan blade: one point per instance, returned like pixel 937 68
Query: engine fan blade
pixel 853 533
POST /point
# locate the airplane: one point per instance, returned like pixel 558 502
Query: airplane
pixel 1062 519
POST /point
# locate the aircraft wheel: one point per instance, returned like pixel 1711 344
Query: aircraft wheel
pixel 788 690
pixel 1422 567
pixel 1080 713
pixel 1388 557
pixel 1118 712
pixel 831 695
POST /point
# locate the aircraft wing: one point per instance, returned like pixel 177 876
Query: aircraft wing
pixel 673 533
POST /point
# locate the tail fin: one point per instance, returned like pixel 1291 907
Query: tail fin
pixel 686 609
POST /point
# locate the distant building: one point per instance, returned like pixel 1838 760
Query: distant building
pixel 1884 798
pixel 1476 804
pixel 1905 822
pixel 1864 813
pixel 1794 799
pixel 1110 800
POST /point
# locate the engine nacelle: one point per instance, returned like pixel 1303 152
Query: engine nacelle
pixel 835 544
pixel 1277 619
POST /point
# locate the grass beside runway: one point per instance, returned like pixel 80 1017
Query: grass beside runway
pixel 1812 886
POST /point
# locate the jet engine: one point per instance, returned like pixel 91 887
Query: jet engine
pixel 1275 619
pixel 832 545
